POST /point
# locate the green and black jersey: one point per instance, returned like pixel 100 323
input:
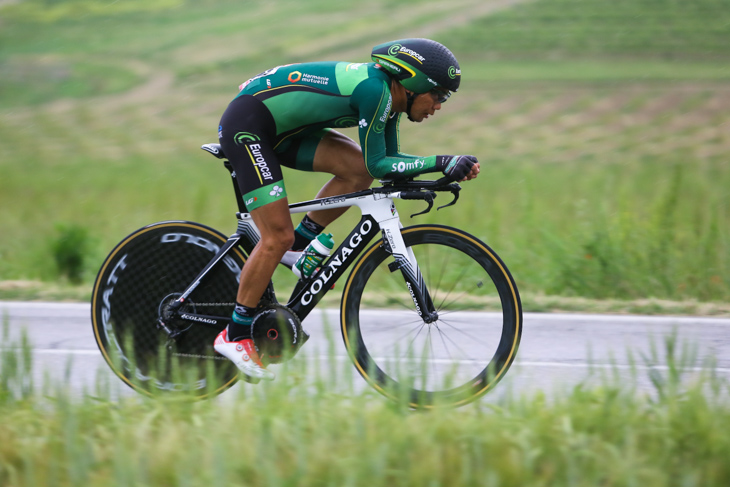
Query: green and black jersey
pixel 306 98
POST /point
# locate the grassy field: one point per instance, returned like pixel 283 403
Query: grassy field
pixel 313 427
pixel 602 128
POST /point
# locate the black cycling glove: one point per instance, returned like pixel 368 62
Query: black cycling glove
pixel 455 168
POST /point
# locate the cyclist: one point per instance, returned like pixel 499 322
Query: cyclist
pixel 286 116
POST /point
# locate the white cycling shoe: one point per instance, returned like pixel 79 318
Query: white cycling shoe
pixel 244 355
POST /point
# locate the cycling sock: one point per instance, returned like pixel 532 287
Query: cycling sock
pixel 240 327
pixel 306 232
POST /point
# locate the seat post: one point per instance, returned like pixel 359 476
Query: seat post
pixel 236 189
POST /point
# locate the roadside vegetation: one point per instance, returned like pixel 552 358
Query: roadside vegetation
pixel 319 427
pixel 601 127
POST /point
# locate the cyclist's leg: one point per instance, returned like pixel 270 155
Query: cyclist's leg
pixel 277 236
pixel 236 341
pixel 247 133
pixel 334 153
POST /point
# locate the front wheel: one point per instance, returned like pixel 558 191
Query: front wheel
pixel 453 360
pixel 143 276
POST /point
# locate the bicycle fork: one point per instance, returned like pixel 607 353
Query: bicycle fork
pixel 405 262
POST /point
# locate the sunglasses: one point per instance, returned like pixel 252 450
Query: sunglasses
pixel 440 95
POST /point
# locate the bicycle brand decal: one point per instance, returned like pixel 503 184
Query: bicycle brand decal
pixel 331 201
pixel 388 237
pixel 413 297
pixel 204 243
pixel 198 318
pixel 413 276
pixel 336 262
pixel 106 295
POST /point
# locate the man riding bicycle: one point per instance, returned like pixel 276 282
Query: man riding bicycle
pixel 286 115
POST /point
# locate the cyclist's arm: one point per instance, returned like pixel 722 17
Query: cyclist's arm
pixel 373 101
pixel 392 137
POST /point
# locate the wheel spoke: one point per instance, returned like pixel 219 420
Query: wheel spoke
pixel 445 337
pixel 445 355
pixel 468 335
pixel 453 286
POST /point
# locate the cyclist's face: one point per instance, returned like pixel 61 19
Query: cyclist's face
pixel 424 106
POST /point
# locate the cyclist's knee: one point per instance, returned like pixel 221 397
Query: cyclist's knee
pixel 356 181
pixel 352 170
pixel 278 241
pixel 342 157
pixel 275 227
pixel 362 180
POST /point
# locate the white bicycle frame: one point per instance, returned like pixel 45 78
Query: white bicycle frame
pixel 378 213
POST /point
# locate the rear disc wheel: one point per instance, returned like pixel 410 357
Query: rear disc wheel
pixel 138 282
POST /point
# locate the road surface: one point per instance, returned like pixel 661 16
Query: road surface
pixel 557 351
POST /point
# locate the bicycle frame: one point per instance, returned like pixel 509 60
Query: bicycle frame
pixel 378 214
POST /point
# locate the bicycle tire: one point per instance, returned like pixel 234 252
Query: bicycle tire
pixel 430 369
pixel 148 268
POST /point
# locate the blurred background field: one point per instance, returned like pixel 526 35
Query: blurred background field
pixel 603 128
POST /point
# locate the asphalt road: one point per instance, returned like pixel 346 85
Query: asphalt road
pixel 557 351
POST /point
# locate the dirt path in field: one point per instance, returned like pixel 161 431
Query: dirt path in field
pixel 159 82
pixel 458 14
pixel 465 16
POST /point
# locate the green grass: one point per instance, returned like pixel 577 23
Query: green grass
pixel 594 71
pixel 604 150
pixel 311 427
pixel 50 79
pixel 658 29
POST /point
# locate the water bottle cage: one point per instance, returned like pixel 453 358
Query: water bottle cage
pixel 309 259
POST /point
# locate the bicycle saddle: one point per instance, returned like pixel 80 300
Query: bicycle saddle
pixel 214 149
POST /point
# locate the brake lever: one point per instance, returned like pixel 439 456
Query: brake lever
pixel 455 190
pixel 418 195
pixel 429 200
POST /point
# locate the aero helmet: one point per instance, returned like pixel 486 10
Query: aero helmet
pixel 420 65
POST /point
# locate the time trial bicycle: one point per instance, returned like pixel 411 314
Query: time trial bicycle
pixel 413 311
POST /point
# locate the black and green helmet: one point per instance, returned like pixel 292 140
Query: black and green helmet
pixel 419 64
